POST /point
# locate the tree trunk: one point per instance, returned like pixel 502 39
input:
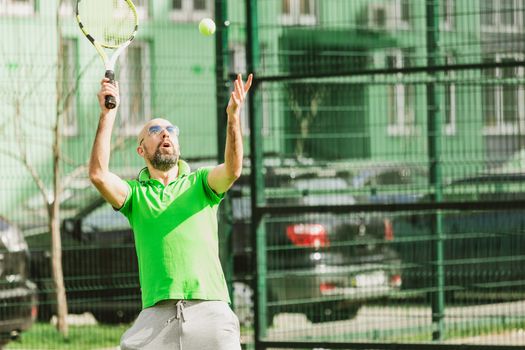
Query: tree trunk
pixel 54 212
pixel 56 268
pixel 56 240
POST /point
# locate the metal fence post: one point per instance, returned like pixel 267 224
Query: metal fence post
pixel 434 126
pixel 256 177
pixel 222 88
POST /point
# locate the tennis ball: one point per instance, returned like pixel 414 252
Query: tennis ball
pixel 207 26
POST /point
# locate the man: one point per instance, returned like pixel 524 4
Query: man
pixel 173 215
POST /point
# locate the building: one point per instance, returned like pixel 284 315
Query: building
pixel 380 113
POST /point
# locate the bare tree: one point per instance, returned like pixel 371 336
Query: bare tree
pixel 50 193
pixel 304 101
pixel 51 197
pixel 19 94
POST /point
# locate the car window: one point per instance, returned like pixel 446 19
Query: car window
pixel 104 218
pixel 418 177
pixel 241 207
pixel 3 225
pixel 386 177
pixel 364 178
pixel 324 191
pixel 329 184
pixel 393 177
pixel 487 187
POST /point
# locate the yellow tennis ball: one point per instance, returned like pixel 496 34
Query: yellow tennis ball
pixel 207 26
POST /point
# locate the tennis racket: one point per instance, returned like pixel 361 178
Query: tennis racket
pixel 108 24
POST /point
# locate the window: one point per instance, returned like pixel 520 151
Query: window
pixel 67 8
pixel 68 70
pixel 510 94
pixel 400 96
pixel 134 77
pixel 446 13
pixel 17 7
pixel 142 8
pixel 487 13
pixel 501 15
pixel 389 15
pixel 300 12
pixel 403 11
pixel 377 16
pixel 449 113
pixel 488 96
pixel 400 12
pixel 503 99
pixel 191 10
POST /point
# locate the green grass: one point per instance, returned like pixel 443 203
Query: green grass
pixel 44 336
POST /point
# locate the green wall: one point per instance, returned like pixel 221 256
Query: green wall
pixel 352 116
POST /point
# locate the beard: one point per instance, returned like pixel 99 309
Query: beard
pixel 163 162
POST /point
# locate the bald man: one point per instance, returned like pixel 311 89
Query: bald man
pixel 173 214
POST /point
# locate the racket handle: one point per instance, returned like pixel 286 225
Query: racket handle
pixel 110 100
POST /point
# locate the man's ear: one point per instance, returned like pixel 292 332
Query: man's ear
pixel 140 151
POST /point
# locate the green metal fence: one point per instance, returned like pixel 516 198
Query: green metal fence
pixel 382 201
pixel 391 218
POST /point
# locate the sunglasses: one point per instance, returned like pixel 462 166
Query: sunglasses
pixel 157 130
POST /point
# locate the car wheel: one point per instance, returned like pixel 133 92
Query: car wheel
pixel 44 313
pixel 332 312
pixel 243 300
pixel 244 306
pixel 46 301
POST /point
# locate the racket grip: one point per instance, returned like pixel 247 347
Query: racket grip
pixel 110 101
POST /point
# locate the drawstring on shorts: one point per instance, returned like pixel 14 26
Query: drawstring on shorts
pixel 179 315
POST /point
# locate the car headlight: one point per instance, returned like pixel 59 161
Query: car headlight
pixel 11 237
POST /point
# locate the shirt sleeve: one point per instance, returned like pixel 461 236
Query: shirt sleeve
pixel 202 174
pixel 125 209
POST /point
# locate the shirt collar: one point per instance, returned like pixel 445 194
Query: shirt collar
pixel 184 169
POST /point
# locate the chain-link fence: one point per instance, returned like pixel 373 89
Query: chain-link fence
pixel 382 200
pixel 392 213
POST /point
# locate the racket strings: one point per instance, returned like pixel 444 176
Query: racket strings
pixel 109 22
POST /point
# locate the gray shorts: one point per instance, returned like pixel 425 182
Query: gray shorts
pixel 184 325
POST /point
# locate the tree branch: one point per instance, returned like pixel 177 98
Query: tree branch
pixel 34 174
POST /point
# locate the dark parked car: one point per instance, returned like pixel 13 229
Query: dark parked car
pixel 18 305
pixel 389 183
pixel 338 261
pixel 323 265
pixel 484 249
pixel 99 264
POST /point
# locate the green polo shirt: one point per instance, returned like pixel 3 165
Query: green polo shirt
pixel 176 239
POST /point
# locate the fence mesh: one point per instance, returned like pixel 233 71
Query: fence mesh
pixel 391 195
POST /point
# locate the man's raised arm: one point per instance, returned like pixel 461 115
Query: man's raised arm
pixel 111 187
pixel 222 177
